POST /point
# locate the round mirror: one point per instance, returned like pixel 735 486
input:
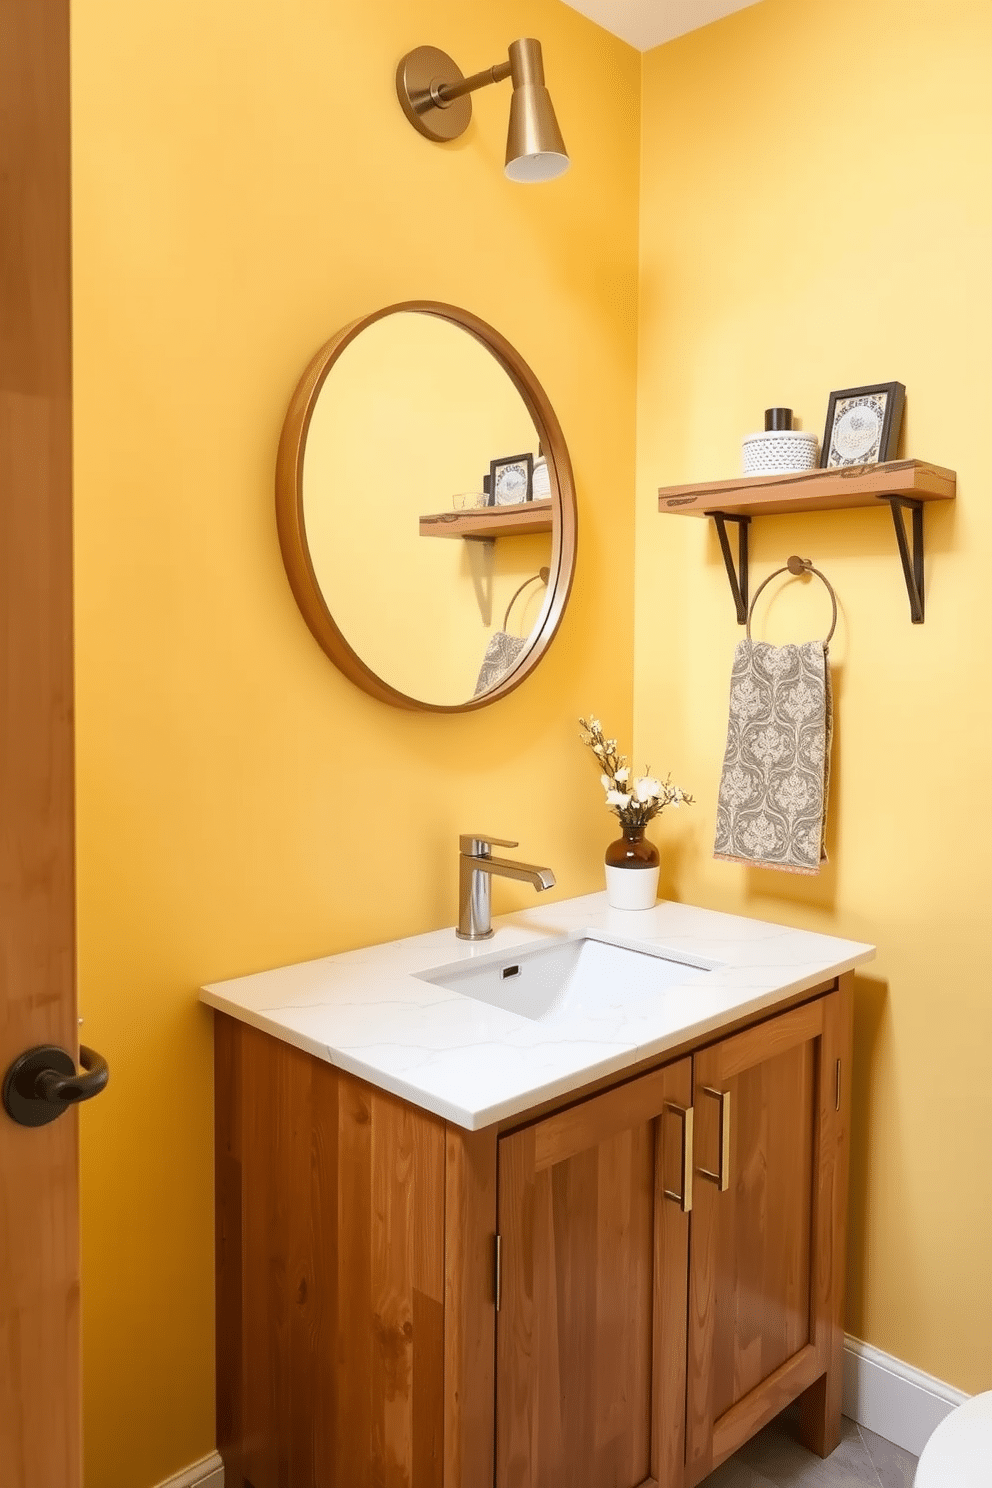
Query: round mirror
pixel 426 508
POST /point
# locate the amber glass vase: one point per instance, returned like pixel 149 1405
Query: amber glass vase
pixel 632 869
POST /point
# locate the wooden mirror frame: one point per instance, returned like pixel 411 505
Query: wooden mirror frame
pixel 292 531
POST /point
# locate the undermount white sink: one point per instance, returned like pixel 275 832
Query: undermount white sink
pixel 572 976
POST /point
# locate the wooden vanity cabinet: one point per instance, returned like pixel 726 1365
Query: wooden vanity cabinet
pixel 670 1269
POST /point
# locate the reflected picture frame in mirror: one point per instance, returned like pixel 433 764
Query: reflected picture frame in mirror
pixel 317 607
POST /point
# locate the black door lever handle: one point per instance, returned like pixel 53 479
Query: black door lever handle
pixel 44 1082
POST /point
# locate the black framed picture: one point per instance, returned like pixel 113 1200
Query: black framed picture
pixel 863 425
pixel 511 479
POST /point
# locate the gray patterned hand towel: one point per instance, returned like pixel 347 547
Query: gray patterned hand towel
pixel 773 790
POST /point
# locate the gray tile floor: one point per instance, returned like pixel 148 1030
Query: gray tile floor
pixel 774 1459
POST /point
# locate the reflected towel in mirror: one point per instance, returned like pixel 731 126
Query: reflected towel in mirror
pixel 504 650
pixel 502 653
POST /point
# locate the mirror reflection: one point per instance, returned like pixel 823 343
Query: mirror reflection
pixel 429 510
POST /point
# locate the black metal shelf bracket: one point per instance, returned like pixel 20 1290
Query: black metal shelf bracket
pixel 910 553
pixel 738 575
pixel 912 563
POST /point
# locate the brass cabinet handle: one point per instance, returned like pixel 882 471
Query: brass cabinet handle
pixel 683 1197
pixel 722 1176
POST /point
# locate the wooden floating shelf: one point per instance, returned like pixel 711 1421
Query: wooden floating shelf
pixel 904 485
pixel 811 490
pixel 490 521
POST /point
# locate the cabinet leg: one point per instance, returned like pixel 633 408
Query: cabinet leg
pixel 819 1414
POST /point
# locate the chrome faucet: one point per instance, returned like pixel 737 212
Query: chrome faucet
pixel 476 867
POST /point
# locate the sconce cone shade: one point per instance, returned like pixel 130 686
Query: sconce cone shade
pixel 535 150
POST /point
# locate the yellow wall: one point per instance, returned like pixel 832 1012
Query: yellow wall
pixel 245 183
pixel 816 213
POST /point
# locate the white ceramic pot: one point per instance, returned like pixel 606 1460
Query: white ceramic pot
pixel 631 888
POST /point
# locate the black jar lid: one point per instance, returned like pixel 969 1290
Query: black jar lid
pixel 778 418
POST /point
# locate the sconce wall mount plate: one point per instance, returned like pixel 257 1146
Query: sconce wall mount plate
pixel 418 77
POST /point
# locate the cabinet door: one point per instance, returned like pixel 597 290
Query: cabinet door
pixel 590 1357
pixel 766 1253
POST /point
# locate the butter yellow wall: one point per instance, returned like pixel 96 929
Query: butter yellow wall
pixel 816 213
pixel 245 184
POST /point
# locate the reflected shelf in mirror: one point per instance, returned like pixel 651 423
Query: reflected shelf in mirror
pixel 522 520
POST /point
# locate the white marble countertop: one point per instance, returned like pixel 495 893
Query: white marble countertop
pixel 368 1012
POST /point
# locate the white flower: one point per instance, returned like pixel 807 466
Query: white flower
pixel 634 798
pixel 617 798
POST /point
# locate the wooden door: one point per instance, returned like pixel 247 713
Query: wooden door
pixel 767 1242
pixel 590 1356
pixel 39 1244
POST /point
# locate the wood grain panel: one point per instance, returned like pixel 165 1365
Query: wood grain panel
pixel 228 1243
pixel 762 1404
pixel 581 1126
pixel 517 1330
pixel 743 1051
pixel 763 1253
pixel 751 1246
pixel 820 1408
pixel 469 1315
pixel 352 1272
pixel 589 1384
pixel 671 1270
pixel 335 1192
pixel 407 1279
pixel 39 1282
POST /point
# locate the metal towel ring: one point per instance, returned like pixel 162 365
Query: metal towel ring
pixel 797 566
pixel 543 574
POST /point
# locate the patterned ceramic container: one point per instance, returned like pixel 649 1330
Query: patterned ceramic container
pixel 778 451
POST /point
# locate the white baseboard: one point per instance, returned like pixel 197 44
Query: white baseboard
pixel 892 1399
pixel 207 1473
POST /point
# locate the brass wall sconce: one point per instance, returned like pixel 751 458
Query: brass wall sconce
pixel 433 93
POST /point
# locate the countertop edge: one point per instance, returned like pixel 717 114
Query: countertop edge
pixel 276 1021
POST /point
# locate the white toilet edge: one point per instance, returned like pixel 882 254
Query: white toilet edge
pixel 959 1453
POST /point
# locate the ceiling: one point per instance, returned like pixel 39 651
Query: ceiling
pixel 647 23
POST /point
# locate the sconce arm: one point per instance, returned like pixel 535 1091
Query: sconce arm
pixel 445 93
